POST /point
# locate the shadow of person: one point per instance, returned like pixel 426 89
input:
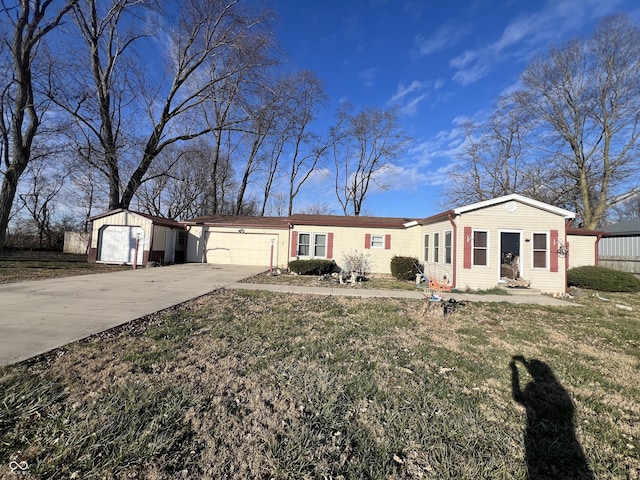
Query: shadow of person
pixel 552 449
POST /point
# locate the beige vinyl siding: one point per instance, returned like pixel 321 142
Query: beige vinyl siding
pixel 439 270
pixel 524 220
pixel 195 240
pixel 581 250
pixel 346 240
pixel 159 240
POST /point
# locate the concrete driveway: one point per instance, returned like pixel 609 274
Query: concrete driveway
pixel 38 316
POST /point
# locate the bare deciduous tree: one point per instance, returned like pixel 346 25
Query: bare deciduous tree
pixel 585 100
pixel 491 163
pixel 363 144
pixel 211 44
pixel 43 185
pixel 27 23
pixel 306 96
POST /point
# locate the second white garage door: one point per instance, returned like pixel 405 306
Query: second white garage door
pixel 241 249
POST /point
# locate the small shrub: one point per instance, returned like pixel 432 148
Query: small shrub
pixel 357 262
pixel 311 267
pixel 603 279
pixel 404 268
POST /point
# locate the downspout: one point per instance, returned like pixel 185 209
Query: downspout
pixel 289 244
pixel 455 249
pixel 567 222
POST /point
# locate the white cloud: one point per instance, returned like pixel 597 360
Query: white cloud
pixel 403 91
pixel 368 76
pixel 445 36
pixel 527 35
pixel 410 96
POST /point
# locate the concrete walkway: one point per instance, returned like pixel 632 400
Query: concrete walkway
pixel 41 315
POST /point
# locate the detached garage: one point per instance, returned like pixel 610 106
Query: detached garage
pixel 125 237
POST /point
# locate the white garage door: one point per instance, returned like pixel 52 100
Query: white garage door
pixel 241 249
pixel 118 244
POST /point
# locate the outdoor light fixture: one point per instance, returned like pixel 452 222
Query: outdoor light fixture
pixel 241 230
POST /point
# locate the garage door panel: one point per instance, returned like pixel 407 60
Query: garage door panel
pixel 241 249
pixel 118 244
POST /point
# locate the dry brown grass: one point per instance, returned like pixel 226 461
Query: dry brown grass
pixel 374 281
pixel 23 265
pixel 261 385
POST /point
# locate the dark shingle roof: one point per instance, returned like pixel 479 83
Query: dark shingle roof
pixel 628 227
pixel 299 219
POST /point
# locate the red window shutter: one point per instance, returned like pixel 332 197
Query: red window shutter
pixel 387 242
pixel 466 262
pixel 553 262
pixel 367 240
pixel 330 245
pixel 294 244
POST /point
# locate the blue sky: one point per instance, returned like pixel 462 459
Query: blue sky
pixel 439 62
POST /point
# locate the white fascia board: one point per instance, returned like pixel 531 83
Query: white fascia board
pixel 518 198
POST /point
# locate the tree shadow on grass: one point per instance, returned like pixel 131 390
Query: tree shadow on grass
pixel 552 449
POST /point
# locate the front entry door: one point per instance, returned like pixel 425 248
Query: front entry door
pixel 510 255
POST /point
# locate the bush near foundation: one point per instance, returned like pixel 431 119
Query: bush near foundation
pixel 311 267
pixel 603 279
pixel 404 268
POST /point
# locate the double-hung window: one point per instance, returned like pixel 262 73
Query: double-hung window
pixel 480 244
pixel 312 245
pixel 539 250
pixel 320 245
pixel 426 247
pixel 436 247
pixel 448 246
pixel 303 244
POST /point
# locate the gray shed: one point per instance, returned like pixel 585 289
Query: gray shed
pixel 619 247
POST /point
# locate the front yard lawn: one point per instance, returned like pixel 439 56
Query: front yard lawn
pixel 241 384
pixel 22 265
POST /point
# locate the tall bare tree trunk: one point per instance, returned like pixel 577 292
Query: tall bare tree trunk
pixel 19 130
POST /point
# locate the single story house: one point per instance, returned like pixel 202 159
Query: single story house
pixel 124 237
pixel 476 246
pixel 274 241
pixel 619 247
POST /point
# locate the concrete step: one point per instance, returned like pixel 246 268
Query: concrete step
pixel 521 291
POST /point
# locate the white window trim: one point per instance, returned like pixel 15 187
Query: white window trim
pixel 382 237
pixel 444 247
pixel 312 244
pixel 546 257
pixel 487 248
pixel 436 249
pixel 426 246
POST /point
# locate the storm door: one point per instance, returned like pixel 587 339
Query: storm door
pixel 510 255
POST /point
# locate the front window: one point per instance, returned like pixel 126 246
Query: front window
pixel 436 247
pixel 312 245
pixel 480 247
pixel 539 250
pixel 426 248
pixel 303 244
pixel 320 245
pixel 448 246
pixel 377 241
